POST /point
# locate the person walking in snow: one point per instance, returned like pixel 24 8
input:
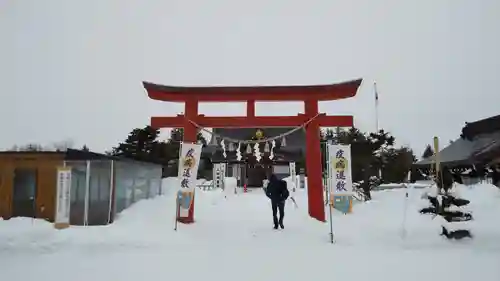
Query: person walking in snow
pixel 278 192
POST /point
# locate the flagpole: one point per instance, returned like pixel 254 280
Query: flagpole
pixel 376 106
pixel 376 123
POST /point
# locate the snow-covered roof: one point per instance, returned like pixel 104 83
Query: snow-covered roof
pixel 466 152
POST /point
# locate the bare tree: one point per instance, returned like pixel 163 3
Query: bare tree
pixel 30 147
pixel 62 145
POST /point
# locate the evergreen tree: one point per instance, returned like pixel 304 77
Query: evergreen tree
pixel 369 155
pixel 328 134
pixel 143 144
pixel 62 145
pixel 428 152
pixel 442 203
pixel 140 144
pixel 398 161
pixel 172 148
pixel 177 135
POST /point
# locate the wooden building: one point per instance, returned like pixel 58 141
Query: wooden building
pixel 27 184
pixel 249 171
pixel 475 154
pixel 101 186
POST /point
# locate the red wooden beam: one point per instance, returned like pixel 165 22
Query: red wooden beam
pixel 258 93
pixel 335 121
pixel 168 122
pixel 252 122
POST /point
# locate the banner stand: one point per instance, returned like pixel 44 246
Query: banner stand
pixel 339 180
pixel 189 159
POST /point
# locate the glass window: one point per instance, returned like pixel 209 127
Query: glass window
pixel 100 183
pixel 78 181
pixel 135 181
pixel 122 180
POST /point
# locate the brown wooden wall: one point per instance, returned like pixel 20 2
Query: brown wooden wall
pixel 46 164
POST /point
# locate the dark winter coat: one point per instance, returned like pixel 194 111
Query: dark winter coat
pixel 277 189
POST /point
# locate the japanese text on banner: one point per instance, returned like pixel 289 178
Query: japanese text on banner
pixel 188 172
pixel 63 195
pixel 188 165
pixel 342 180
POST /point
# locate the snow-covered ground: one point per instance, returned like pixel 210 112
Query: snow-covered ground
pixel 232 239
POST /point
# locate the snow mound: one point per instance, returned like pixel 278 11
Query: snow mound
pixel 142 243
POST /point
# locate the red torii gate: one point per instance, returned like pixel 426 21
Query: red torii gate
pixel 310 95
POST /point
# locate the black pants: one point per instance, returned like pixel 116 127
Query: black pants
pixel 281 207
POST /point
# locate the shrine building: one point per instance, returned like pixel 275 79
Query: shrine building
pixel 248 170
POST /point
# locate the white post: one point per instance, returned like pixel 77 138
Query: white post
pixel 407 185
pixel 87 195
pixel 111 183
pixel 177 209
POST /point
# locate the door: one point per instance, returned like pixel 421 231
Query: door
pixel 24 193
pixel 256 175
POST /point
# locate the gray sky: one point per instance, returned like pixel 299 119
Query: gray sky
pixel 73 69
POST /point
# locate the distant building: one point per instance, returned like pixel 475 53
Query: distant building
pixel 102 186
pixel 475 154
pixel 248 170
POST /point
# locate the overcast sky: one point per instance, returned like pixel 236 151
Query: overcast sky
pixel 73 69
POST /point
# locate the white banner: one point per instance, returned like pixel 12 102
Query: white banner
pixel 340 173
pixel 223 174
pixel 63 197
pixel 217 183
pixel 293 176
pixel 189 162
pixel 219 175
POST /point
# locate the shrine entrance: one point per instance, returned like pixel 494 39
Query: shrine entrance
pixel 256 173
pixel 311 120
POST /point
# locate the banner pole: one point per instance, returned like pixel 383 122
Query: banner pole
pixel 177 200
pixel 177 206
pixel 331 223
pixel 328 188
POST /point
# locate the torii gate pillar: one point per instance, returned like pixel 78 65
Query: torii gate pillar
pixel 310 95
pixel 313 163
